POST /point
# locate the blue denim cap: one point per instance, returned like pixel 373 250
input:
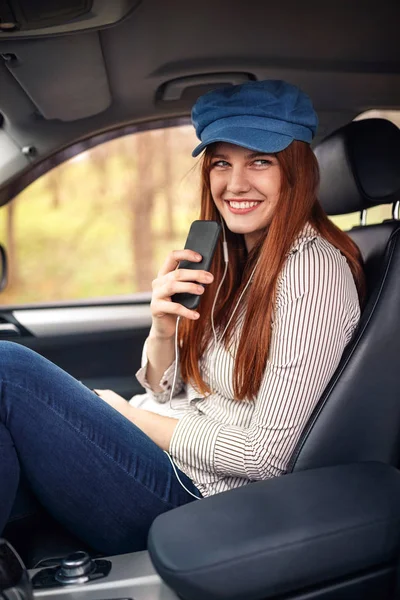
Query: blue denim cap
pixel 260 115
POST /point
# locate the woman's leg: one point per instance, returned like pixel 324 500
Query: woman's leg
pixel 9 474
pixel 92 469
pixel 25 504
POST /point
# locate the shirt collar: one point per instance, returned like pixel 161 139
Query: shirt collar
pixel 306 235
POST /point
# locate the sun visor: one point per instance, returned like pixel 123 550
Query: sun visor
pixel 65 77
pixel 32 18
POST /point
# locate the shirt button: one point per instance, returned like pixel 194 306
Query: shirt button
pixel 168 387
pixel 165 382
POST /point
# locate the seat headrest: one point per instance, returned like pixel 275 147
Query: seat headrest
pixel 359 166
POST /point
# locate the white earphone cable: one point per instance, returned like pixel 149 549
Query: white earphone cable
pixel 179 479
pixel 176 362
pixel 212 378
pixel 226 259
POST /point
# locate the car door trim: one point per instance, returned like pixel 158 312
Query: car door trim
pixel 48 322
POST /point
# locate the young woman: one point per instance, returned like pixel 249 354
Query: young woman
pixel 287 304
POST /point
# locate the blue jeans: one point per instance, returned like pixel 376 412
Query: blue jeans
pixel 92 469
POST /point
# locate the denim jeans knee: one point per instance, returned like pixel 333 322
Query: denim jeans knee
pixel 15 358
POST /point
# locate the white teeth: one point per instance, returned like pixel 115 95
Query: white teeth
pixel 243 204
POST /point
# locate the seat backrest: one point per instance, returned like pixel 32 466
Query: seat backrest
pixel 358 416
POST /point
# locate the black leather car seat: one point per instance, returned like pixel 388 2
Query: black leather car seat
pixel 358 416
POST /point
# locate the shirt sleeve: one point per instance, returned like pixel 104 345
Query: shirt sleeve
pixel 310 329
pixel 165 382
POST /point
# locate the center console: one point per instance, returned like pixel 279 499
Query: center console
pixel 129 576
pixel 77 576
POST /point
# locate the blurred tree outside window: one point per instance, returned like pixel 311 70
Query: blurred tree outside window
pixel 101 224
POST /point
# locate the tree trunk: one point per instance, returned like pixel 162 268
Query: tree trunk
pixel 141 198
pixel 99 157
pixel 167 184
pixel 13 275
pixel 54 187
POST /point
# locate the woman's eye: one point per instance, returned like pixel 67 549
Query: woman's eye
pixel 219 163
pixel 262 162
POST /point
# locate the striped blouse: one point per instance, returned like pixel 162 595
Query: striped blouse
pixel 222 443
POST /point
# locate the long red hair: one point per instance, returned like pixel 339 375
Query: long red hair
pixel 297 205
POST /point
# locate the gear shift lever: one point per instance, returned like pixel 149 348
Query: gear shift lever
pixel 14 579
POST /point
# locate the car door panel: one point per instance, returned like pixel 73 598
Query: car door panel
pixel 99 345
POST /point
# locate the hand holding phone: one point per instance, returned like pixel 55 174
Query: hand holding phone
pixel 202 238
pixel 177 290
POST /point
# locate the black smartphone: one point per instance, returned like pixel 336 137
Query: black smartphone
pixel 202 238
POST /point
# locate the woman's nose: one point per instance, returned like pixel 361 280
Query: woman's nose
pixel 238 182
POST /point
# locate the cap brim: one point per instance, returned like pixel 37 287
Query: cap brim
pixel 267 142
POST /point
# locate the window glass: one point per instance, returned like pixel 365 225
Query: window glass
pixel 102 223
pixel 378 213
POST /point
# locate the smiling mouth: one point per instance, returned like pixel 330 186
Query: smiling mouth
pixel 242 205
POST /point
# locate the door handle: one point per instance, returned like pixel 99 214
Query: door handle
pixel 173 90
pixel 9 330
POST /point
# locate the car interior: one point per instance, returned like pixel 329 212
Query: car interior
pixel 76 71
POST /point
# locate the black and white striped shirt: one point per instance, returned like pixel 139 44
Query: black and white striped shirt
pixel 222 443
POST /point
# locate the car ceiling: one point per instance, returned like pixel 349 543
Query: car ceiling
pixel 58 90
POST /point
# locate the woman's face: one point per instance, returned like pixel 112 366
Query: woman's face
pixel 245 186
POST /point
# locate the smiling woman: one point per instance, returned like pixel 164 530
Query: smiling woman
pixel 237 428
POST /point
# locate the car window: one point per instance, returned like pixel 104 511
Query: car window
pixel 378 213
pixel 102 223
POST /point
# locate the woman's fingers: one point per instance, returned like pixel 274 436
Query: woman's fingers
pixel 114 400
pixel 173 259
pixel 170 287
pixel 160 308
pixel 171 280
